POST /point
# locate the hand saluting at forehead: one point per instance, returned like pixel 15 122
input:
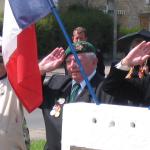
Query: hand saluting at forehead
pixel 52 61
pixel 138 55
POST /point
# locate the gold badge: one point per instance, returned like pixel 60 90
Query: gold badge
pixel 61 101
pixel 79 47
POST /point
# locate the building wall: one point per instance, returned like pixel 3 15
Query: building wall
pixel 132 9
pixel 1 5
pixel 129 11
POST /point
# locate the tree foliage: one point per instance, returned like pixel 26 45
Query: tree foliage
pixel 98 25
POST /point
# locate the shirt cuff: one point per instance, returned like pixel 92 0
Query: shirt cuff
pixel 122 67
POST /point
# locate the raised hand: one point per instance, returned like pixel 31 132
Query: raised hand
pixel 138 55
pixel 52 61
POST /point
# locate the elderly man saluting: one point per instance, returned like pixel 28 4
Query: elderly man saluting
pixel 61 89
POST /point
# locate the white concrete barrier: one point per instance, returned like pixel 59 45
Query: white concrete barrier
pixel 105 127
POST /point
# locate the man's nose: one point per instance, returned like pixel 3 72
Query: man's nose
pixel 74 64
pixel 78 40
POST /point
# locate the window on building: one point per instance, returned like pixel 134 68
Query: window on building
pixel 147 2
pixel 110 4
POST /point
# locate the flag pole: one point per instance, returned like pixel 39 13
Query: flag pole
pixel 55 13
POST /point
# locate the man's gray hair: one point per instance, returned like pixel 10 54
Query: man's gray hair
pixel 91 55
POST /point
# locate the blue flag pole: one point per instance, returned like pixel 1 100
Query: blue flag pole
pixel 55 13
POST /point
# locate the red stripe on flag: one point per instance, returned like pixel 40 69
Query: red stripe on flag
pixel 23 72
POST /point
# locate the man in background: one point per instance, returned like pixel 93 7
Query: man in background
pixel 80 34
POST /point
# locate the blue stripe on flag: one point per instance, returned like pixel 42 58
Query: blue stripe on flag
pixel 27 12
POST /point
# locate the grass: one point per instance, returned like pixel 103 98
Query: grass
pixel 37 144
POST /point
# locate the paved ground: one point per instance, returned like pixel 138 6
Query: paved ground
pixel 35 120
pixel 36 124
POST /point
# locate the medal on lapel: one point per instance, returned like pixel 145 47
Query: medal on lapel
pixel 61 101
pixel 56 110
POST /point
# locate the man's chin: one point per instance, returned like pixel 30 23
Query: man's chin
pixel 76 78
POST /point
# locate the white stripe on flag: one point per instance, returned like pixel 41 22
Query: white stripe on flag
pixel 10 32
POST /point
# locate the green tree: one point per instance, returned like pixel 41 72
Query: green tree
pixel 98 25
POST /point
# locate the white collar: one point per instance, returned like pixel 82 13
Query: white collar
pixel 83 83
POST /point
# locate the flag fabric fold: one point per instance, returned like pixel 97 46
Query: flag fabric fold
pixel 19 49
pixel 28 11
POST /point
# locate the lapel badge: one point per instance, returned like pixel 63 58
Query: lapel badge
pixel 61 101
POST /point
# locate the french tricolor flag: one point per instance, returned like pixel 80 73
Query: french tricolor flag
pixel 19 49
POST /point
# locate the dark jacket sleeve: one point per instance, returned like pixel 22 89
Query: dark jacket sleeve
pixel 52 89
pixel 118 86
pixel 100 65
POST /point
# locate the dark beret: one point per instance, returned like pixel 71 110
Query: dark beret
pixel 81 47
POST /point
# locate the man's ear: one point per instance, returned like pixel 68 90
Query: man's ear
pixel 95 61
pixel 86 38
pixel 72 38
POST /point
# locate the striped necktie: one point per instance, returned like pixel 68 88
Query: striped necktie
pixel 74 92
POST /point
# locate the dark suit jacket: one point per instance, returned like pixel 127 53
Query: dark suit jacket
pixel 100 65
pixel 59 86
pixel 135 89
